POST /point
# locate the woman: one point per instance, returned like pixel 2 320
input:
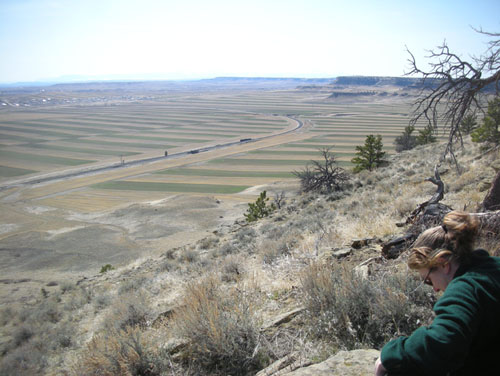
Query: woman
pixel 464 337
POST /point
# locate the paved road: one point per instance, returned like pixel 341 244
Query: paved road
pixel 138 162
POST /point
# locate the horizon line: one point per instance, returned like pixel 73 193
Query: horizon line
pixel 96 79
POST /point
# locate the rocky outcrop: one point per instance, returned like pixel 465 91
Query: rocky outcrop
pixel 344 363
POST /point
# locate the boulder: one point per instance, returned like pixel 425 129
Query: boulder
pixel 344 363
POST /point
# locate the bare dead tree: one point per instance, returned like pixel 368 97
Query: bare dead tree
pixel 428 214
pixel 453 86
pixel 279 199
pixel 431 208
pixel 322 176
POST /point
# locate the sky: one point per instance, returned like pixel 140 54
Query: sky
pixel 189 39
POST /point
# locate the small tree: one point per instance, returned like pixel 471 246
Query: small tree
pixel 259 209
pixel 322 176
pixel 106 268
pixel 488 131
pixel 369 156
pixel 406 141
pixel 426 136
pixel 469 123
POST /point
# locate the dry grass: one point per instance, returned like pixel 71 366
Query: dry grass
pixel 270 250
pixel 130 309
pixel 41 332
pixel 379 225
pixel 127 352
pixel 221 328
pixel 232 269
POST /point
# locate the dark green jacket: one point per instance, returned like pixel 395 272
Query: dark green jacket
pixel 464 337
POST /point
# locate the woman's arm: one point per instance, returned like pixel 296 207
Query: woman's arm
pixel 444 345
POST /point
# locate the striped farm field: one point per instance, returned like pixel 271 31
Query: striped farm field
pixel 45 139
pixel 225 173
pixel 83 135
pixel 82 150
pixel 259 162
pixel 170 187
pixel 270 162
pixel 29 158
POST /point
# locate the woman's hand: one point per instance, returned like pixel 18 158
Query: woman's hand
pixel 379 368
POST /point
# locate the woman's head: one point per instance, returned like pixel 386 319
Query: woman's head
pixel 439 245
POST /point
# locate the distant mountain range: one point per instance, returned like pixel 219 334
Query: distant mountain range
pixel 75 80
pixel 71 81
pixel 216 83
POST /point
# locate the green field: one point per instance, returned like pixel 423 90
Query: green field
pixel 312 154
pixel 280 164
pixel 170 187
pixel 11 171
pixel 259 162
pixel 42 158
pixel 225 173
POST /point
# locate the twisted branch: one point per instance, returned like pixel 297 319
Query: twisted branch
pixel 453 87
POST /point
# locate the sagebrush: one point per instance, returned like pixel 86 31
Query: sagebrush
pixel 355 311
pixel 221 328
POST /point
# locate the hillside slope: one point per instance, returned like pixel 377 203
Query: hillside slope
pixel 250 294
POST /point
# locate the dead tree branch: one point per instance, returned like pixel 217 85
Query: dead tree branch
pixel 427 214
pixel 453 86
pixel 431 213
pixel 434 200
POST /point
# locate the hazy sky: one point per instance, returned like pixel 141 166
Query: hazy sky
pixel 48 39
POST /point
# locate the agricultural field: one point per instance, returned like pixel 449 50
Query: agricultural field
pixel 43 140
pixel 52 139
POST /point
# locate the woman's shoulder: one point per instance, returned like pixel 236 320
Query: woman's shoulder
pixel 483 272
pixel 481 258
pixel 480 261
pixel 480 252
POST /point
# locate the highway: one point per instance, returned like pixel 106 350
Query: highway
pixel 50 177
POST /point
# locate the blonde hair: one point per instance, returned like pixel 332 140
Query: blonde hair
pixel 453 240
